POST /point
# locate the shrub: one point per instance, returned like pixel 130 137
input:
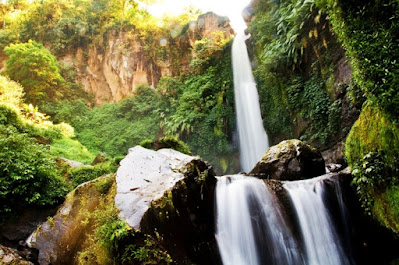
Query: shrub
pixel 29 173
pixel 166 142
pixel 85 173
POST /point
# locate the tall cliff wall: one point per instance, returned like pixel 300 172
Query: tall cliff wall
pixel 113 68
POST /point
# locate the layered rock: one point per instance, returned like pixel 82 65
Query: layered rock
pixel 290 160
pixel 113 69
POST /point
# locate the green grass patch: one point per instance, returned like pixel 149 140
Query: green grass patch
pixel 71 149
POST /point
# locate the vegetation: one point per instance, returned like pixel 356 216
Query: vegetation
pixel 196 108
pixel 372 148
pixel 295 76
pixel 29 146
pixel 371 44
pixel 112 241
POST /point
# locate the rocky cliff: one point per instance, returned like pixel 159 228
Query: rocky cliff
pixel 113 68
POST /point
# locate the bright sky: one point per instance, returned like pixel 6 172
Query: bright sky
pixel 230 8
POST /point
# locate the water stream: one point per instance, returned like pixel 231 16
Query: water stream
pixel 252 227
pixel 252 136
pixel 322 244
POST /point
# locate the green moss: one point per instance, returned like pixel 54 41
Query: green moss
pixel 373 131
pixel 167 142
pixel 85 173
pixel 386 208
pixel 163 208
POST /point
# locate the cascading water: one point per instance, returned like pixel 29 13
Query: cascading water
pixel 252 136
pixel 251 229
pixel 251 226
pixel 321 241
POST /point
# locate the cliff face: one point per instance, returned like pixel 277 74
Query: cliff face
pixel 113 69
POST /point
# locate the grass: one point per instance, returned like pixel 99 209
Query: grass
pixel 71 149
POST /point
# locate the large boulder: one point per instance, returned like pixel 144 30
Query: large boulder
pixel 63 236
pixel 169 194
pixel 290 160
pixel 163 195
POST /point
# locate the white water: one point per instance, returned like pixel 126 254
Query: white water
pixel 321 242
pixel 250 228
pixel 252 136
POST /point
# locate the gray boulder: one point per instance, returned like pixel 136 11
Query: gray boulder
pixel 290 160
pixel 163 194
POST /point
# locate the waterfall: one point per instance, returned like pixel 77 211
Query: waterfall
pixel 252 136
pixel 253 229
pixel 321 241
pixel 250 226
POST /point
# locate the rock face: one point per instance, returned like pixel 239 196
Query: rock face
pixel 61 237
pixel 143 177
pixel 10 256
pixel 113 69
pixel 171 194
pixel 290 160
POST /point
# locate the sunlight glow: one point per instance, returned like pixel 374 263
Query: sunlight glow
pixel 230 8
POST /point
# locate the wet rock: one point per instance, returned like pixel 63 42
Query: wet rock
pixel 290 160
pixel 61 237
pixel 10 256
pixel 336 154
pixel 100 158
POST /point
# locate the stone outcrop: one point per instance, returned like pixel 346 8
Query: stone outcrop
pixel 62 236
pixel 10 256
pixel 112 69
pixel 164 194
pixel 170 193
pixel 290 160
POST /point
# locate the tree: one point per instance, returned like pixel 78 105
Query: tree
pixel 35 68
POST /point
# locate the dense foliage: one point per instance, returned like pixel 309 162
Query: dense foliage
pixel 295 73
pixel 368 31
pixel 35 68
pixel 29 173
pixel 29 146
pixel 371 41
pixel 196 108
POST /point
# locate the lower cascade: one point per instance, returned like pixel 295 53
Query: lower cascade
pixel 252 227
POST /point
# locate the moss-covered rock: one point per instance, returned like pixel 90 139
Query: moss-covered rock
pixel 64 235
pixel 290 160
pixel 372 150
pixel 374 131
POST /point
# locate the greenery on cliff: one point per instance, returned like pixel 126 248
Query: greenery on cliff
pixel 302 94
pixel 318 62
pixel 369 33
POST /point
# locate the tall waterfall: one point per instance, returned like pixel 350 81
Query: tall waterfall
pixel 252 136
pixel 253 229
